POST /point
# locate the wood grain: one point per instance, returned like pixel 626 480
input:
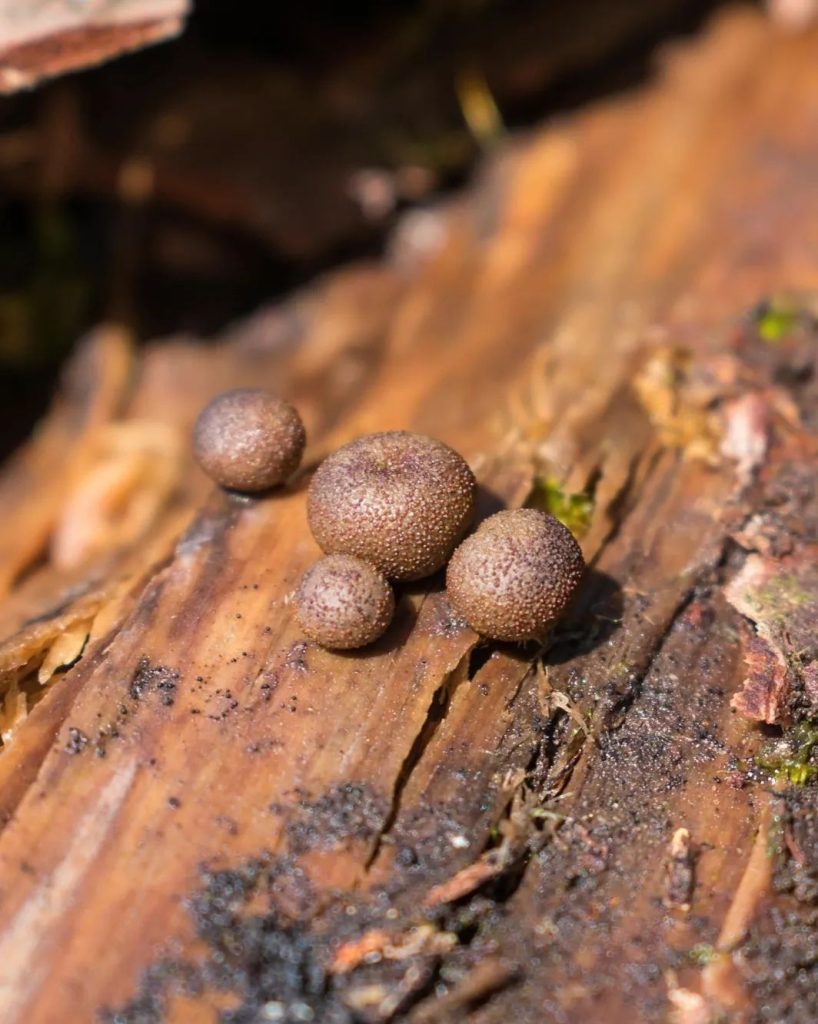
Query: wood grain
pixel 205 813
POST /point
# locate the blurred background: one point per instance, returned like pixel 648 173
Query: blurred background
pixel 178 188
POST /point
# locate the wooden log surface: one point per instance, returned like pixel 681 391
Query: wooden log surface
pixel 207 818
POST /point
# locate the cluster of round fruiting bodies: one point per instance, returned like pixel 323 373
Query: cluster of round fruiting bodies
pixel 393 506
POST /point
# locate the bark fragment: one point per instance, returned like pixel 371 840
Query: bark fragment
pixel 41 40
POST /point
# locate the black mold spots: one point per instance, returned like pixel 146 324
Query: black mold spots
pixel 796 869
pixel 229 705
pixel 780 967
pixel 349 811
pixel 297 657
pixel 269 684
pixel 272 965
pixel 146 679
pixel 77 741
pixel 149 677
pixel 148 1006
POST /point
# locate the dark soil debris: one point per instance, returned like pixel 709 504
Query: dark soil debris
pixel 348 811
pixel 796 868
pixel 149 677
pixel 297 657
pixel 780 964
pixel 272 965
pixel 77 741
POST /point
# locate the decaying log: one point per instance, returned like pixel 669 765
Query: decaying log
pixel 49 37
pixel 207 818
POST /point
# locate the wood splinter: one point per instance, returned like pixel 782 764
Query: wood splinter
pixel 679 872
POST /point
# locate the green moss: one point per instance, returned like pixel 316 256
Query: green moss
pixel 774 321
pixel 775 318
pixel 794 765
pixel 778 599
pixel 544 814
pixel 573 510
pixel 702 954
pixel 800 773
pixel 782 594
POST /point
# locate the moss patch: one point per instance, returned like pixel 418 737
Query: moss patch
pixel 791 760
pixel 573 510
pixel 776 318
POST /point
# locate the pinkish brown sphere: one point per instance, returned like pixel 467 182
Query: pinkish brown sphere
pixel 401 501
pixel 248 440
pixel 344 602
pixel 513 578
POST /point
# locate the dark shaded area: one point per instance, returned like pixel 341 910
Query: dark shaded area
pixel 594 616
pixel 180 187
pixel 277 968
pixel 259 957
pixel 780 955
pixel 349 811
pixel 617 836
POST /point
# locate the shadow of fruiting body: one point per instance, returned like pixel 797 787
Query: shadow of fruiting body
pixel 401 501
pixel 248 440
pixel 513 578
pixel 344 602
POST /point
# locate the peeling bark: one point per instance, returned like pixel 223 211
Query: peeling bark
pixel 44 39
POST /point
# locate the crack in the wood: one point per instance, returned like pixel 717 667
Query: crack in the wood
pixel 435 715
pixel 508 881
pixel 610 716
pixel 614 705
pixel 618 509
pixel 592 481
